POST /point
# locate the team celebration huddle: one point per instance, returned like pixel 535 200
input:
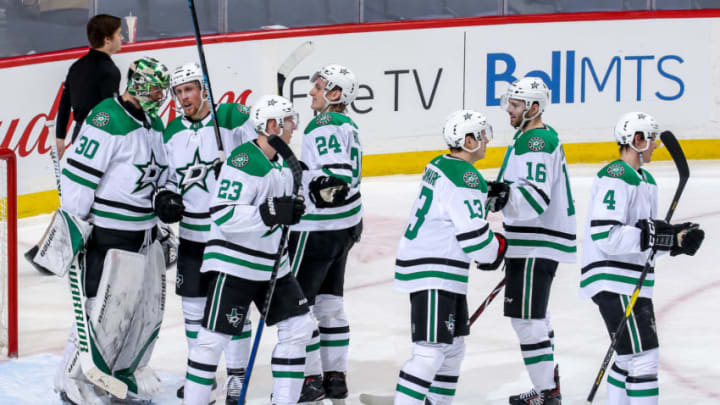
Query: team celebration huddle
pixel 258 224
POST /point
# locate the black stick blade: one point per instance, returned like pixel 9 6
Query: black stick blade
pixel 676 152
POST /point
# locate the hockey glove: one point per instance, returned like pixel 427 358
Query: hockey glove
pixel 659 234
pixel 498 194
pixel 169 242
pixel 328 191
pixel 169 206
pixel 502 248
pixel 689 240
pixel 282 210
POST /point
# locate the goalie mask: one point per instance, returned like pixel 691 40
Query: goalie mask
pixel 340 77
pixel 275 108
pixel 632 123
pixel 466 122
pixel 146 77
pixel 530 90
pixel 187 73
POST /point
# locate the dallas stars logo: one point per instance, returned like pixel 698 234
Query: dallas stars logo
pixel 323 119
pixel 535 85
pixel 234 317
pixel 343 71
pixel 239 160
pixel 150 173
pixel 641 116
pixel 194 173
pixel 467 116
pixel 271 102
pixel 536 143
pixel 615 170
pixel 471 179
pixel 450 324
pixel 101 119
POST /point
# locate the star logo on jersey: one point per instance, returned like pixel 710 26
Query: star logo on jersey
pixel 101 119
pixel 467 116
pixel 150 173
pixel 235 317
pixel 239 160
pixel 450 324
pixel 615 170
pixel 243 109
pixel 471 179
pixel 536 143
pixel 323 119
pixel 194 173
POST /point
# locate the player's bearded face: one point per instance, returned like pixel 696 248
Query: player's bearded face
pixel 190 97
pixel 515 109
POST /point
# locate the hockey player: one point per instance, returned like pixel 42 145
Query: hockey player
pixel 539 220
pixel 192 152
pixel 620 231
pixel 250 202
pixel 114 179
pixel 320 243
pixel 447 230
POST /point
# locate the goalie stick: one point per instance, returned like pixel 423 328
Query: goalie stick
pixel 676 152
pixel 206 77
pixel 287 154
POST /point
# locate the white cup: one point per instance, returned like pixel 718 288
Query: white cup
pixel 131 22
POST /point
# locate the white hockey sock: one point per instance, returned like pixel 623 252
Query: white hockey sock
pixel 313 365
pixel 334 332
pixel 616 376
pixel 417 374
pixel 442 390
pixel 202 364
pixel 237 350
pixel 537 351
pixel 288 358
pixel 193 308
pixel 551 332
pixel 642 382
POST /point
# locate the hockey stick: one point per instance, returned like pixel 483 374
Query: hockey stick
pixel 300 53
pixel 287 154
pixel 676 152
pixel 206 77
pixel 501 284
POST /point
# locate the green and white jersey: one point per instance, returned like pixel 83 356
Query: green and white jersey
pixel 539 218
pixel 240 244
pixel 113 169
pixel 331 147
pixel 192 149
pixel 446 231
pixel 611 257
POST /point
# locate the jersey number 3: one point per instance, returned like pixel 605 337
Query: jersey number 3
pixel 426 195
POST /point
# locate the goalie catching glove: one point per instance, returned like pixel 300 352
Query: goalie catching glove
pixel 683 238
pixel 502 249
pixel 328 191
pixel 282 210
pixel 168 206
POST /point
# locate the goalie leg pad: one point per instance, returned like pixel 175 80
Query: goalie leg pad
pixel 334 332
pixel 288 358
pixel 442 390
pixel 536 351
pixel 417 374
pixel 65 237
pixel 144 327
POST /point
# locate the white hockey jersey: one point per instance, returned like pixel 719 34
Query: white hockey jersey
pixel 611 257
pixel 113 169
pixel 192 149
pixel 331 147
pixel 539 218
pixel 240 244
pixel 447 229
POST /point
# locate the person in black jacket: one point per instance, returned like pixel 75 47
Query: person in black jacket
pixel 92 78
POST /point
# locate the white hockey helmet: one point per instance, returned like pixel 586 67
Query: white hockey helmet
pixel 466 122
pixel 189 72
pixel 633 122
pixel 272 107
pixel 338 76
pixel 530 90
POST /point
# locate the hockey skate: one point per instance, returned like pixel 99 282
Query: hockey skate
pixel 335 387
pixel 77 392
pixel 312 390
pixel 181 392
pixel 233 386
pixel 532 395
